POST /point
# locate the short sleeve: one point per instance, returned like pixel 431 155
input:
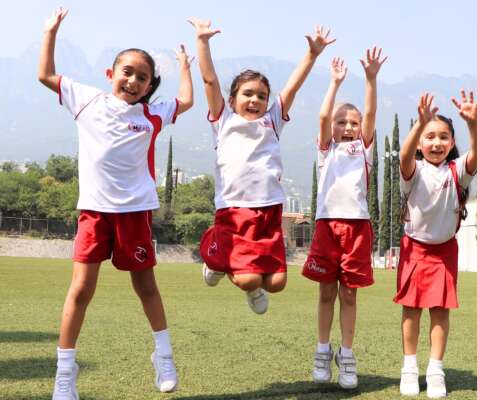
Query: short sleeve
pixel 276 114
pixel 462 174
pixel 75 96
pixel 166 110
pixel 368 152
pixel 407 184
pixel 218 123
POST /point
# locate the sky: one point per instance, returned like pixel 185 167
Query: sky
pixel 418 35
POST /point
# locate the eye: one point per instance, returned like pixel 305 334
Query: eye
pixel 262 97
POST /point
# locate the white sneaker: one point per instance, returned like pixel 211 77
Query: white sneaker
pixel 322 367
pixel 348 378
pixel 166 375
pixel 409 385
pixel 436 385
pixel 258 300
pixel 65 384
pixel 211 277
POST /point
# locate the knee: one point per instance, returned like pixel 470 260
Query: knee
pixel 82 293
pixel 347 296
pixel 328 294
pixel 275 286
pixel 146 291
pixel 248 282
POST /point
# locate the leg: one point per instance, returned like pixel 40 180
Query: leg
pixel 347 314
pixel 410 325
pixel 273 283
pixel 439 331
pixel 247 282
pixel 80 293
pixel 144 283
pixel 326 307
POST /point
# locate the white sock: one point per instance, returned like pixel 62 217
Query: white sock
pixel 410 361
pixel 346 351
pixel 434 366
pixel 163 342
pixel 323 347
pixel 66 358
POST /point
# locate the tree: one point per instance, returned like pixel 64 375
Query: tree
pixel 169 181
pixel 373 201
pixel 314 190
pixel 10 166
pixel 58 200
pixel 397 228
pixel 385 217
pixel 62 168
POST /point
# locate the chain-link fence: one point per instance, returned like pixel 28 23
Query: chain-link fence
pixel 47 228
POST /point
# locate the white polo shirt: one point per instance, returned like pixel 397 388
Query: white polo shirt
pixel 343 180
pixel 433 201
pixel 248 167
pixel 116 148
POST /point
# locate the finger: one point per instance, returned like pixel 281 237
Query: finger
pixel 182 48
pixel 192 21
pixel 456 102
pixel 191 59
pixel 327 33
pixel 384 59
pixel 379 53
pixel 434 110
pixel 471 96
pixel 368 55
pixel 463 96
pixel 374 52
pixel 362 63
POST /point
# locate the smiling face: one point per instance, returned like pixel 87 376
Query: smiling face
pixel 251 100
pixel 130 77
pixel 346 124
pixel 436 142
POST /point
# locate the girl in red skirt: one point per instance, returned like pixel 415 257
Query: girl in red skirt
pixel 434 181
pixel 246 240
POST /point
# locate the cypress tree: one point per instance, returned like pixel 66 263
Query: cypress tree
pixel 385 217
pixel 397 228
pixel 314 190
pixel 372 196
pixel 169 180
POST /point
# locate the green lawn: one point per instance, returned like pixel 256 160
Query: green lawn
pixel 223 351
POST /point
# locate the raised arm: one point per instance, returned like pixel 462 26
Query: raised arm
pixel 185 96
pixel 371 64
pixel 409 147
pixel 213 93
pixel 316 45
pixel 338 73
pixel 46 70
pixel 468 111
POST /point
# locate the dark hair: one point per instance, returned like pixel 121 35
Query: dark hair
pixel 453 154
pixel 246 76
pixel 155 80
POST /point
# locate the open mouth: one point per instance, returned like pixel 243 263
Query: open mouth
pixel 252 110
pixel 347 138
pixel 128 91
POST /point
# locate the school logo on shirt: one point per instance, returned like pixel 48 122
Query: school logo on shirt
pixel 354 150
pixel 267 123
pixel 314 267
pixel 139 127
pixel 140 254
pixel 212 250
pixel 446 184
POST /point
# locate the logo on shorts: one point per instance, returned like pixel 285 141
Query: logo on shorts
pixel 140 254
pixel 314 267
pixel 354 150
pixel 212 250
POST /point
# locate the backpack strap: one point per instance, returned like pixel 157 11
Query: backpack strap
pixel 453 169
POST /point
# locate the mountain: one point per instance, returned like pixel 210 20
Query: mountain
pixel 33 125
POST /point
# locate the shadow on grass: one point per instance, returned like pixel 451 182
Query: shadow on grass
pixel 460 380
pixel 42 397
pixel 32 368
pixel 26 337
pixel 305 390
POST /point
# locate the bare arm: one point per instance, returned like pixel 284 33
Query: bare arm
pixel 316 45
pixel 371 65
pixel 213 93
pixel 338 73
pixel 185 96
pixel 46 69
pixel 468 111
pixel 409 147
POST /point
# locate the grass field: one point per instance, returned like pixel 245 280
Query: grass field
pixel 223 351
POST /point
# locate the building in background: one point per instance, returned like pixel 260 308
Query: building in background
pixel 297 230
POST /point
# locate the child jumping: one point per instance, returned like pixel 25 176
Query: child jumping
pixel 117 191
pixel 246 240
pixel 434 184
pixel 340 253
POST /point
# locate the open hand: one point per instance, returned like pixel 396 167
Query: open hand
pixel 53 22
pixel 425 110
pixel 466 106
pixel 319 40
pixel 372 63
pixel 202 28
pixel 338 69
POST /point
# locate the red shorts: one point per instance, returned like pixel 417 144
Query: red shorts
pixel 245 240
pixel 127 236
pixel 341 251
pixel 427 274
